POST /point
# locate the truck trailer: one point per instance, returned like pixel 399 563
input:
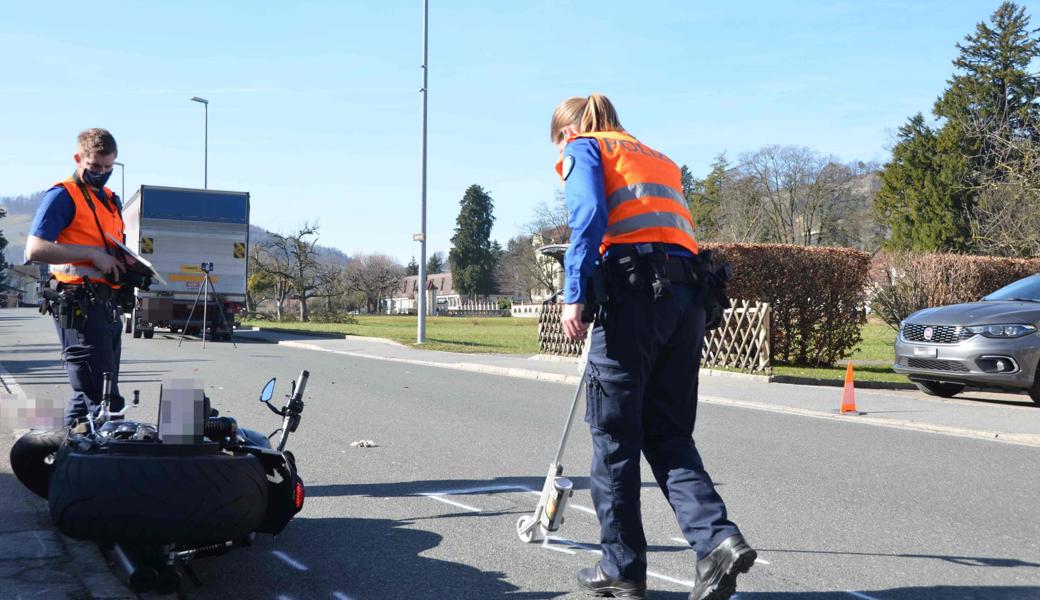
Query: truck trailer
pixel 181 231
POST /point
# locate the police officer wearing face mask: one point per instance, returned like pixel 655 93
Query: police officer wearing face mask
pixel 630 223
pixel 71 233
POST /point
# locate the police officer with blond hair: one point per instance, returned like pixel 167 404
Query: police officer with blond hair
pixel 630 221
pixel 72 232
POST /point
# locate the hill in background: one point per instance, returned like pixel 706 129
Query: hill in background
pixel 21 209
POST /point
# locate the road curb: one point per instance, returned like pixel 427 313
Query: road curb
pixel 1021 439
pixel 331 336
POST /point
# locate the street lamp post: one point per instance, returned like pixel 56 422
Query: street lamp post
pixel 122 177
pixel 205 150
pixel 421 287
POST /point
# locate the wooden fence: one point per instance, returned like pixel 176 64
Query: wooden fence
pixel 742 342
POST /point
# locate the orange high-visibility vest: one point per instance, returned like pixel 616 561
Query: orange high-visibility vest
pixel 83 231
pixel 645 203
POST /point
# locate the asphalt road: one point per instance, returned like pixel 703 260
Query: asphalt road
pixel 837 511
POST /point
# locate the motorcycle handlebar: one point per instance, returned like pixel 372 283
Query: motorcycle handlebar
pixel 301 384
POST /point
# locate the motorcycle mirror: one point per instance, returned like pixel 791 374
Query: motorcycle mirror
pixel 268 391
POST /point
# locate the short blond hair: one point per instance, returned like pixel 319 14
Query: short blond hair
pixel 96 141
pixel 595 113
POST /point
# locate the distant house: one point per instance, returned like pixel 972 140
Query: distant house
pixel 440 293
pixel 23 284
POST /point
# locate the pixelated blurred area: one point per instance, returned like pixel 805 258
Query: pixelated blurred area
pixel 18 412
pixel 181 407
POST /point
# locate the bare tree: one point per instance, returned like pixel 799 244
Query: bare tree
pixel 264 281
pixel 516 272
pixel 550 222
pixel 376 276
pixel 332 281
pixel 291 262
pixel 1006 218
pixel 799 191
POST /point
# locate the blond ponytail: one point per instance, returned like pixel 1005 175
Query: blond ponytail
pixel 595 113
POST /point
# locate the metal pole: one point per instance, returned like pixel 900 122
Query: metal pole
pixel 205 155
pixel 122 177
pixel 205 141
pixel 420 288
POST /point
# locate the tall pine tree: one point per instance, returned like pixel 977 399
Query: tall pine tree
pixel 705 199
pixel 412 268
pixel 435 264
pixel 472 257
pixel 930 187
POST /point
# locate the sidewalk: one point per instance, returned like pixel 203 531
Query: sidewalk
pixel 38 562
pixel 980 415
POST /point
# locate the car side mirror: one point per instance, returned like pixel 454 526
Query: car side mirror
pixel 268 392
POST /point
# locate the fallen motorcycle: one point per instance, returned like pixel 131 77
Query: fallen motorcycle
pixel 154 506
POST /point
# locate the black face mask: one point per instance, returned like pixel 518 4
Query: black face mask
pixel 95 179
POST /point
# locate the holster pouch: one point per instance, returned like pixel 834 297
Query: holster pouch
pixel 595 295
pixel 716 301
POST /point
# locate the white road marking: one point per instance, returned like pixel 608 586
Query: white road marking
pixel 547 545
pixel 574 506
pixel 683 582
pixel 861 596
pixel 476 490
pixel 8 382
pixel 341 596
pixel 299 566
pixel 451 502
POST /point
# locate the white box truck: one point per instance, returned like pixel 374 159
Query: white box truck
pixel 181 230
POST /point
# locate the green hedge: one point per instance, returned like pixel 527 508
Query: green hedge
pixel 817 295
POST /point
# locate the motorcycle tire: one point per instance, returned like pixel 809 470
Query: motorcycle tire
pixel 153 500
pixel 33 457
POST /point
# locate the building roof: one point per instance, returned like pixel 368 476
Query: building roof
pixel 441 281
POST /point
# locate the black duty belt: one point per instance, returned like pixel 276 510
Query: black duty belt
pixel 681 269
pixel 102 292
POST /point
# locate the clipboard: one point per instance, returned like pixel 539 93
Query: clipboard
pixel 138 259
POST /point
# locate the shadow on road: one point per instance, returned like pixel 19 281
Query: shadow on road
pixel 454 487
pixel 359 558
pixel 939 592
pixel 968 561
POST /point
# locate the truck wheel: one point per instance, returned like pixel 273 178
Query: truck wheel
pixel 156 500
pixel 137 334
pixel 32 459
pixel 149 334
pixel 939 388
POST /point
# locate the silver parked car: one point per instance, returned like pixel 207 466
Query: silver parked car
pixel 992 343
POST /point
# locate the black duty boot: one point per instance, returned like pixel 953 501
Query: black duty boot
pixel 717 572
pixel 595 580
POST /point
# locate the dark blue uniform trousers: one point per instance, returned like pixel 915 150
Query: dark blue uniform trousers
pixel 89 351
pixel 642 397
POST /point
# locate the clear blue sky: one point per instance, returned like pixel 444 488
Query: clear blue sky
pixel 314 106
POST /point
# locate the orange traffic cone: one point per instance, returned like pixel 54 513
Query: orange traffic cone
pixel 848 395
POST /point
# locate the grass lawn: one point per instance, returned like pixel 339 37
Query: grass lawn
pixel 452 334
pixel 872 359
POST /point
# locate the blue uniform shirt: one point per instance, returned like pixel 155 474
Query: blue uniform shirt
pixel 55 213
pixel 587 210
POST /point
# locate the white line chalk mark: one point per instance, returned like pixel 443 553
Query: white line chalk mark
pixel 861 596
pixel 299 566
pixel 451 502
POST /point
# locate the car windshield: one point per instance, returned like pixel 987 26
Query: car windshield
pixel 1027 289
